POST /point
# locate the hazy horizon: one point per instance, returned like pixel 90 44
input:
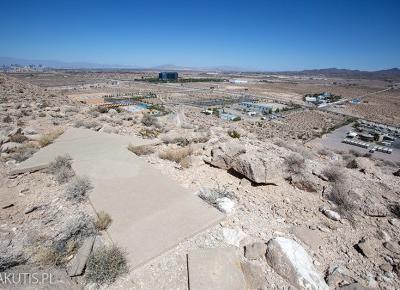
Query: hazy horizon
pixel 253 35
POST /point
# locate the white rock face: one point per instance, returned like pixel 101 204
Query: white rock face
pixel 233 237
pixel 333 215
pixel 225 204
pixel 10 146
pixel 291 261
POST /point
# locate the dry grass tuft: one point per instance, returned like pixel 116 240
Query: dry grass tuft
pixel 105 265
pixel 103 220
pixel 61 168
pixel 295 163
pixel 177 154
pixel 334 174
pixel 50 137
pixel 77 189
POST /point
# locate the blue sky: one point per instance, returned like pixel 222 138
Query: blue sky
pixel 269 35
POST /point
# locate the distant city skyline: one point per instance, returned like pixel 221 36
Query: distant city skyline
pixel 254 35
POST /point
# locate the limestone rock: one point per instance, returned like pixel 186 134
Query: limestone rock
pixel 255 251
pixel 107 129
pixel 355 286
pixel 292 262
pixel 232 236
pixel 10 146
pixel 333 215
pixel 254 276
pixel 392 246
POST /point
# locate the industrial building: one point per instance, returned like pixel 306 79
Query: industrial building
pixel 168 76
pixel 260 107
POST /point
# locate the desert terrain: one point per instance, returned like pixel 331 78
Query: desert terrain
pixel 296 214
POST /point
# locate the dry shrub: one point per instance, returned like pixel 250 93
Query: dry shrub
pixel 103 220
pixel 176 154
pixel 23 153
pixel 141 150
pixel 295 163
pixel 334 174
pixel 77 189
pixel 211 195
pixel 18 138
pixel 325 152
pixel 105 265
pixel 149 133
pixel 50 137
pixel 352 164
pixel 88 124
pixel 149 120
pixel 48 256
pixel 61 169
pixel 344 199
pixel 234 134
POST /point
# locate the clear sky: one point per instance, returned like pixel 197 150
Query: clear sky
pixel 269 35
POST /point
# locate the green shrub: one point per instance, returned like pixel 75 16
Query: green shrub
pixel 234 134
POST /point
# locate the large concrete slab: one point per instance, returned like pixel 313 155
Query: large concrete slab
pixel 215 269
pixel 151 213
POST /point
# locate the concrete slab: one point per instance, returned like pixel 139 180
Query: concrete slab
pixel 215 269
pixel 150 212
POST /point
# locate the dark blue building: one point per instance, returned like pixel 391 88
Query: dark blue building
pixel 168 76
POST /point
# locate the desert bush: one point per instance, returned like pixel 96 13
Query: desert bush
pixel 78 188
pixel 105 265
pixel 23 153
pixel 49 138
pixel 176 154
pixel 48 256
pixel 211 195
pixel 61 169
pixel 7 119
pixel 352 164
pixel 234 134
pixel 18 138
pixel 149 120
pixel 103 220
pixel 86 124
pixel 102 110
pixel 42 115
pixel 334 174
pixel 295 163
pixel 325 152
pixel 141 150
pixel 344 199
pixel 149 133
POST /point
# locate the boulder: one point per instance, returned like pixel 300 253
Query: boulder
pixel 254 276
pixel 392 246
pixel 10 146
pixel 333 215
pixel 291 261
pixel 232 236
pixel 108 129
pixel 355 286
pixel 255 250
pixel 15 131
pixel 338 276
pixel 223 155
pixel 29 131
pixel 366 247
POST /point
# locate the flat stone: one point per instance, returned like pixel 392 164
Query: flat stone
pixel 312 238
pixel 355 286
pixel 333 215
pixel 392 246
pixel 367 248
pixel 151 213
pixel 337 276
pixel 255 251
pixel 10 146
pixel 217 268
pixel 233 237
pixel 254 276
pixel 77 264
pixel 292 262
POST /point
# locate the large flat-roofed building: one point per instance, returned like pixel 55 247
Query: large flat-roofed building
pixel 250 106
pixel 168 76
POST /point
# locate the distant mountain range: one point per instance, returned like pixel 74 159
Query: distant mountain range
pixel 393 73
